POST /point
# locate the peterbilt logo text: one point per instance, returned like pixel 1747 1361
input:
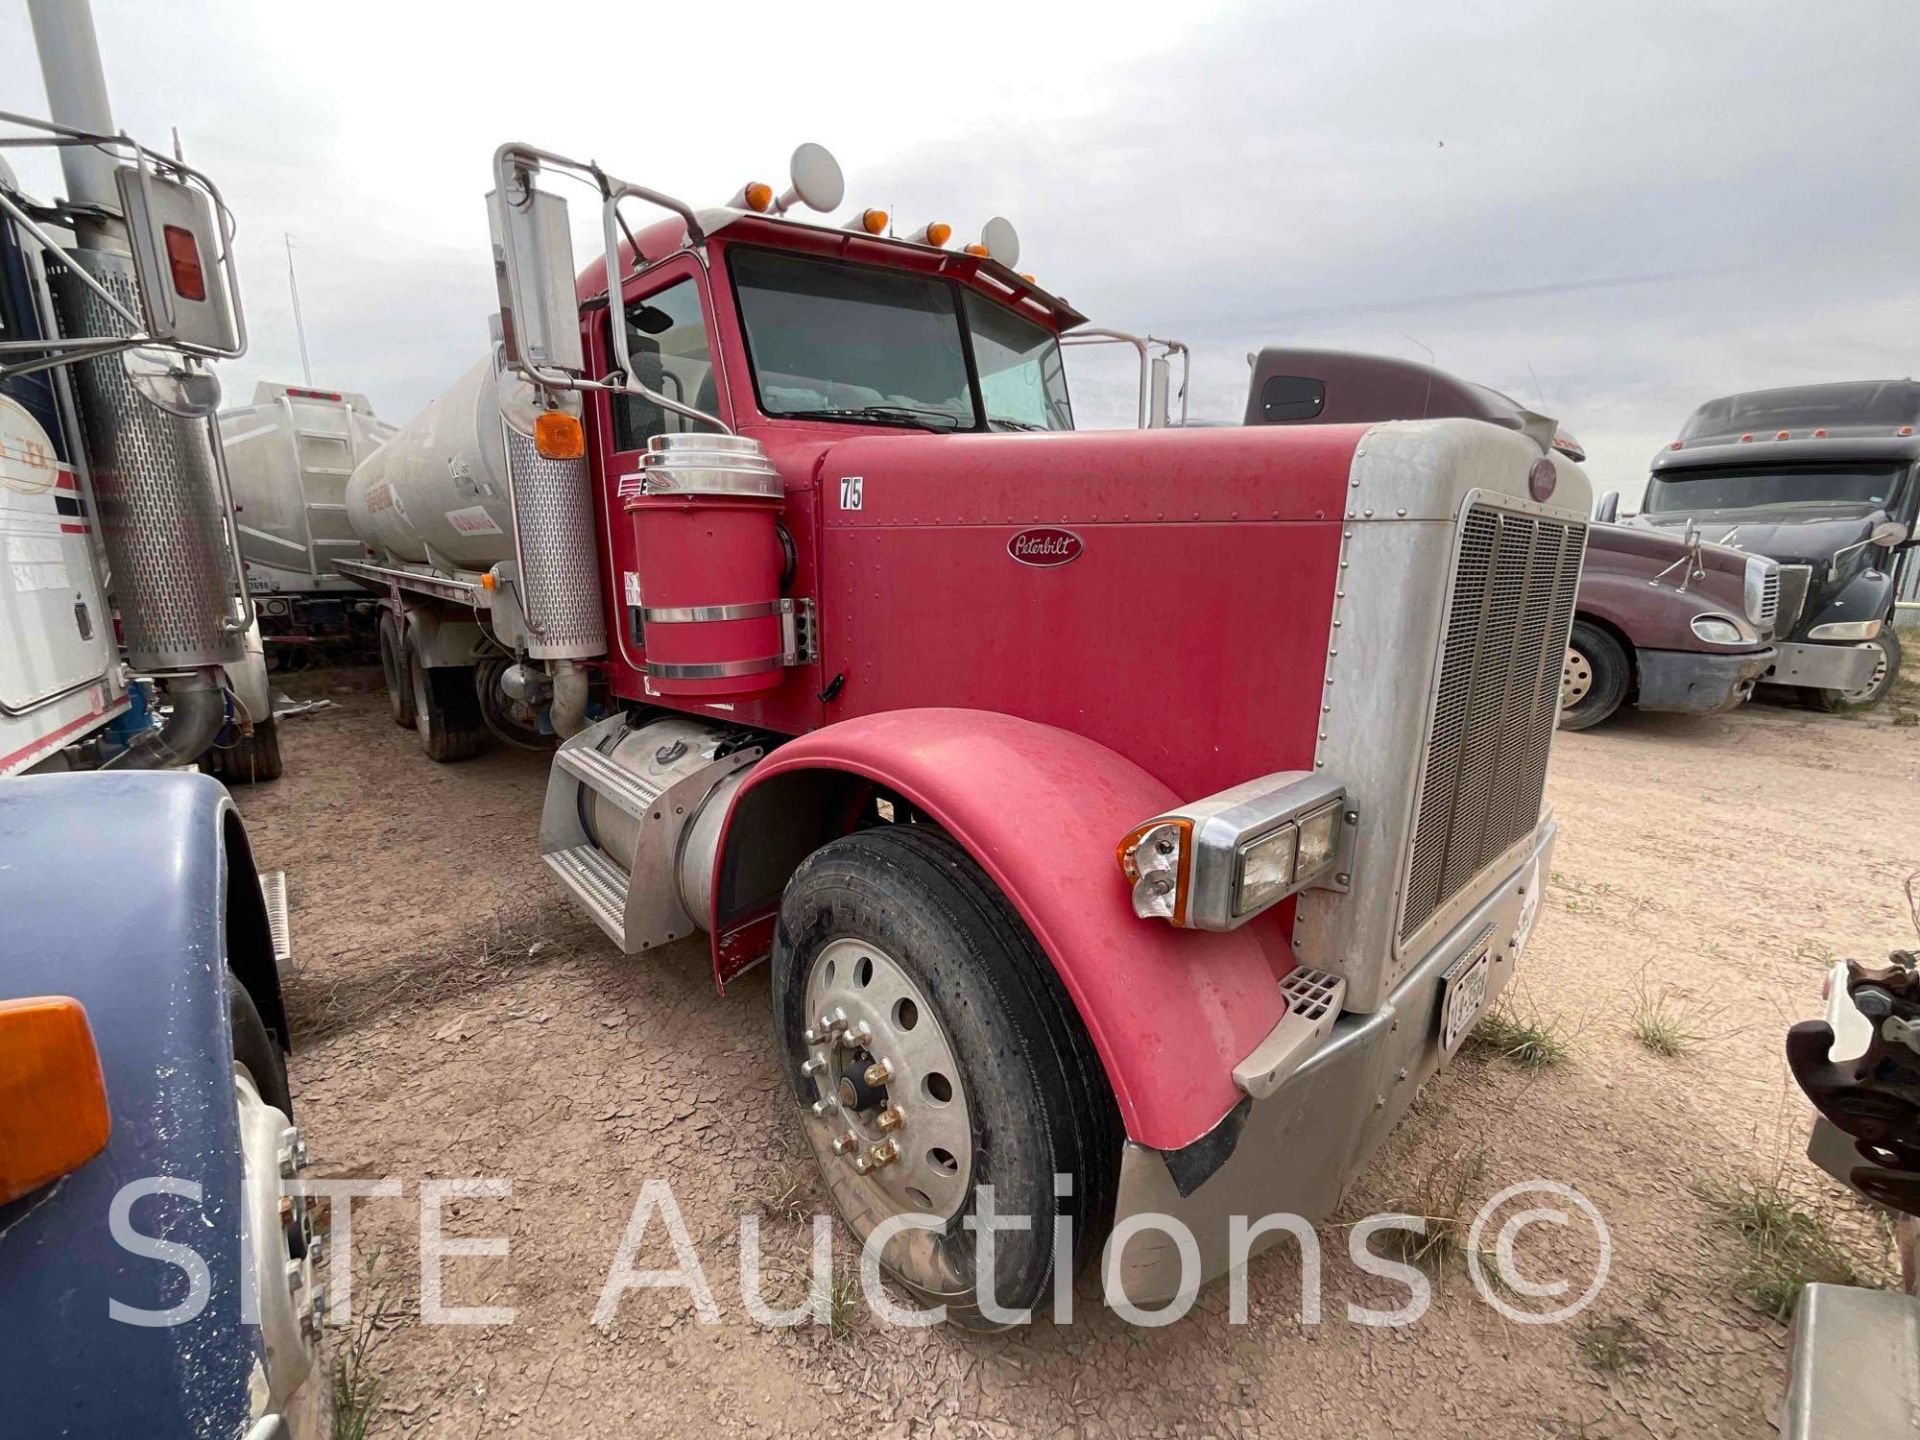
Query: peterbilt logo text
pixel 1045 545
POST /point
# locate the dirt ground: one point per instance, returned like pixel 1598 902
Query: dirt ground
pixel 454 1018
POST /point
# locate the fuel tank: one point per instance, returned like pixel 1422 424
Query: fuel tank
pixel 436 492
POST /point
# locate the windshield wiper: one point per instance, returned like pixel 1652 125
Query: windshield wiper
pixel 921 416
pixel 1022 425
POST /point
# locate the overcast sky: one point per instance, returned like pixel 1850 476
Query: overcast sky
pixel 1610 209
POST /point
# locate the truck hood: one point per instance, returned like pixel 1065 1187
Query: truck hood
pixel 1792 540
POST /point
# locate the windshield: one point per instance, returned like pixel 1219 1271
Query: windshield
pixel 839 341
pixel 1858 485
pixel 852 341
pixel 1022 378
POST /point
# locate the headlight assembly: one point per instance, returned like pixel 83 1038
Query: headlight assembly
pixel 1719 630
pixel 1215 864
pixel 1845 630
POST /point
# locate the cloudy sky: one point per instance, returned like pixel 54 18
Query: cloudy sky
pixel 1611 209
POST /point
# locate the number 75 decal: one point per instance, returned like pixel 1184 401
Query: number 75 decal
pixel 850 491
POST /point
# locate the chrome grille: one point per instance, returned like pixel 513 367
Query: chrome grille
pixel 1769 599
pixel 1496 701
pixel 1794 580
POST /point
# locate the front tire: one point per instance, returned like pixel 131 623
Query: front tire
pixel 1594 677
pixel 992 1078
pixel 1886 670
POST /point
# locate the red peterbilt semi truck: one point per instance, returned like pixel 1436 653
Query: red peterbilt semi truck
pixel 1155 809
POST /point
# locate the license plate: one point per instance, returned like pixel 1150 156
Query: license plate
pixel 1463 993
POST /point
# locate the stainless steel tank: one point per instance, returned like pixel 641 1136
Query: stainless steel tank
pixel 289 454
pixel 450 486
pixel 163 509
pixel 437 491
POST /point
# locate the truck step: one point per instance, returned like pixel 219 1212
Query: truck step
pixel 273 889
pixel 1313 999
pixel 597 883
pixel 599 774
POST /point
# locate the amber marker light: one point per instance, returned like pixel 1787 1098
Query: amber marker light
pixel 558 435
pixel 53 1098
pixel 1157 860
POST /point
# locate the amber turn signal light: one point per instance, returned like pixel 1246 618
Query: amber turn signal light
pixel 558 435
pixel 759 197
pixel 53 1098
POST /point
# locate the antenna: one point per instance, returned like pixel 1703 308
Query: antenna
pixel 299 326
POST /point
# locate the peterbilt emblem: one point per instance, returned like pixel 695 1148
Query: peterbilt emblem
pixel 1045 545
pixel 1541 479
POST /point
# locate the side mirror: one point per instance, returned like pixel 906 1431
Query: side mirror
pixel 180 261
pixel 533 268
pixel 1607 511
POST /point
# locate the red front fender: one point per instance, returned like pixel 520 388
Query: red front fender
pixel 1040 809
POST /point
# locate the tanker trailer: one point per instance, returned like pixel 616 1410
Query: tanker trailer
pixel 289 454
pixel 483 548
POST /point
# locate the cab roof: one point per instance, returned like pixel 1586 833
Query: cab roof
pixel 668 237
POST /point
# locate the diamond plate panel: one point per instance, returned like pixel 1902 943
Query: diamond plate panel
pixel 162 516
pixel 560 560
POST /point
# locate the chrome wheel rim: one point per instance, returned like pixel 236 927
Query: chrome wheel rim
pixel 1865 692
pixel 1576 678
pixel 888 1117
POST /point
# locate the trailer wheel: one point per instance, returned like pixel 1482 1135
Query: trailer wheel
pixel 446 711
pixel 1886 670
pixel 960 1063
pixel 393 669
pixel 1593 678
pixel 246 759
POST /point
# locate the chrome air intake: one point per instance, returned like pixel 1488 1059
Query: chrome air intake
pixel 163 510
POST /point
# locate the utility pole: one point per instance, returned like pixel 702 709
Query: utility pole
pixel 299 328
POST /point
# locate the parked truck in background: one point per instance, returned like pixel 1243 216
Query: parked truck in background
pixel 1661 621
pixel 288 455
pixel 1821 479
pixel 1158 810
pixel 144 1101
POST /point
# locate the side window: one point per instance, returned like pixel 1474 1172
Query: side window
pixel 1292 397
pixel 667 338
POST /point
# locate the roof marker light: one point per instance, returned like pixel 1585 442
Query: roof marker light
pixel 872 222
pixel 1904 430
pixel 755 195
pixel 935 233
pixel 1820 434
pixel 1744 439
pixel 976 249
pixel 1674 444
pixel 1781 435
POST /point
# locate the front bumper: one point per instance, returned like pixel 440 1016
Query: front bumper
pixel 1695 682
pixel 1296 1151
pixel 1821 666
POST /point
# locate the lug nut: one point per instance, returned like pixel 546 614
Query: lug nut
pixel 844 1142
pixel 810 1035
pixel 885 1153
pixel 813 1066
pixel 821 1107
pixel 834 1021
pixel 890 1118
pixel 296 1274
pixel 858 1037
pixel 862 1165
pixel 317 1251
pixel 286 1209
pixel 879 1072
